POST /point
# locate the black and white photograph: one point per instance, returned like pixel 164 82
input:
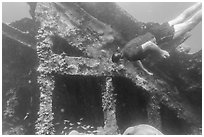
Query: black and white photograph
pixel 101 68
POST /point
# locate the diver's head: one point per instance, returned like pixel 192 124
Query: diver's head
pixel 116 57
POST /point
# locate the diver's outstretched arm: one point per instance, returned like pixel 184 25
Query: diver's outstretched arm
pixel 143 68
pixel 152 46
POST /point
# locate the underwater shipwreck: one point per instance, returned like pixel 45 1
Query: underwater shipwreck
pixel 58 75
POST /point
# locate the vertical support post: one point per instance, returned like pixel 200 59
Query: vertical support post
pixel 153 112
pixel 44 125
pixel 109 107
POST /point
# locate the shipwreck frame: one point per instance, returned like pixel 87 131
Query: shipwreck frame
pixel 93 39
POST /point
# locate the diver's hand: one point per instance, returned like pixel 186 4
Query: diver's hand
pixel 164 54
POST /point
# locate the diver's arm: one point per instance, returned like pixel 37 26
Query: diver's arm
pixel 152 46
pixel 143 68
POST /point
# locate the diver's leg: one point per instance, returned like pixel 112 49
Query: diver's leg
pixel 188 25
pixel 186 14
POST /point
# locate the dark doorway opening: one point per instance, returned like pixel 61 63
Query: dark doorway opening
pixel 131 104
pixel 171 125
pixel 77 104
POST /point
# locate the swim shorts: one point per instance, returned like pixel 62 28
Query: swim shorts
pixel 163 33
